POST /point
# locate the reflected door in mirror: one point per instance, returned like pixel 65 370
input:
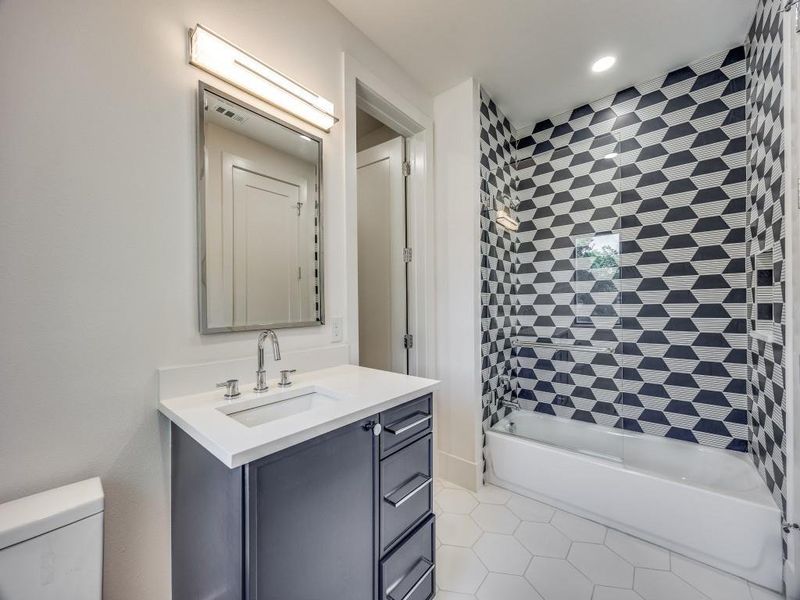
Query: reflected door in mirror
pixel 260 223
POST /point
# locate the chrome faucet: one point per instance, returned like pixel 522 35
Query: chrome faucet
pixel 261 373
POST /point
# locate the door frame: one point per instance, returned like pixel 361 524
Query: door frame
pixel 791 356
pixel 365 90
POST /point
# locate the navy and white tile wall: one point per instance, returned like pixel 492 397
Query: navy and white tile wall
pixel 497 252
pixel 632 213
pixel 766 241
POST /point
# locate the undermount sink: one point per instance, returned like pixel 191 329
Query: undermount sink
pixel 274 409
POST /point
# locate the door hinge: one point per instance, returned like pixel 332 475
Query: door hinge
pixel 406 168
pixel 408 341
pixel 407 255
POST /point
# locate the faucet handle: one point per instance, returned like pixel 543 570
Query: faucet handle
pixel 285 380
pixel 231 388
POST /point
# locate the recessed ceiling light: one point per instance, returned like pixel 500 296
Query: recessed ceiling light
pixel 604 64
pixel 611 155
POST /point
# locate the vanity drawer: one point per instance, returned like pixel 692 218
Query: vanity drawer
pixel 406 490
pixel 408 572
pixel 405 422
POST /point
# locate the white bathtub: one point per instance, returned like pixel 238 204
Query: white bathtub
pixel 701 502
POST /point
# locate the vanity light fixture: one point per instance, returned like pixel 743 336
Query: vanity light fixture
pixel 215 54
pixel 604 64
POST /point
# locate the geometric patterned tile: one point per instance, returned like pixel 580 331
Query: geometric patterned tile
pixel 541 561
pixel 632 213
pixel 456 501
pixel 457 530
pixel 713 583
pixel 663 585
pixel 542 539
pixel 765 230
pixel 612 593
pixel 601 565
pixel 502 554
pixel 530 510
pixel 759 593
pixel 459 570
pixel 556 579
pixel 506 587
pixel 579 529
pixel 491 494
pixel 495 518
pixel 638 552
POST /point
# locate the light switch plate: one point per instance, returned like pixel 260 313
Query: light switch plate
pixel 336 329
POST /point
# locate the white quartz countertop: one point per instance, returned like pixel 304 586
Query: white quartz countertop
pixel 358 393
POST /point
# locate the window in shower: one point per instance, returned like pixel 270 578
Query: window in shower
pixel 596 274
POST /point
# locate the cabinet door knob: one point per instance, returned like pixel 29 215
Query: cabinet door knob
pixel 373 426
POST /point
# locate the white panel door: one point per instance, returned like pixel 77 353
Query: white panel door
pixel 381 270
pixel 266 282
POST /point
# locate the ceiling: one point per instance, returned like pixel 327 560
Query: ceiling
pixel 534 56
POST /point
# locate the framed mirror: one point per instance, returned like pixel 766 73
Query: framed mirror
pixel 259 219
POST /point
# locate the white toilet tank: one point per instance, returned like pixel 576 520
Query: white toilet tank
pixel 51 544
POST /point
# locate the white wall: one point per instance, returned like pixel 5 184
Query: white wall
pixel 97 238
pixel 458 282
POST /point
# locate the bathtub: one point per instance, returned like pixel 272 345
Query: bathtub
pixel 704 503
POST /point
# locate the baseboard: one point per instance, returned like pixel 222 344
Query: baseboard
pixel 458 470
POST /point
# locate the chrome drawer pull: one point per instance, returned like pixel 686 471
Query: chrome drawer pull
pixel 399 427
pixel 416 484
pixel 423 565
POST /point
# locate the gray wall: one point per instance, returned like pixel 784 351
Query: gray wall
pixel 97 238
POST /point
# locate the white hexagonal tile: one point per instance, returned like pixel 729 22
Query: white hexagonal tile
pixel 556 579
pixel 637 552
pixel 444 595
pixel 760 593
pixel 459 570
pixel 610 593
pixel 579 529
pixel 456 501
pixel 530 510
pixel 713 583
pixel 663 585
pixel 502 554
pixel 506 587
pixel 495 518
pixel 542 539
pixel 601 565
pixel 457 530
pixel 491 494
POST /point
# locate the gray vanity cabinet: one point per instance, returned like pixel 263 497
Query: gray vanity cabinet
pixel 344 516
pixel 311 514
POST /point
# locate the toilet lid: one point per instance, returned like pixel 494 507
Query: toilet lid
pixel 35 515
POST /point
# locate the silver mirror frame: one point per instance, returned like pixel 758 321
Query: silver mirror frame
pixel 202 290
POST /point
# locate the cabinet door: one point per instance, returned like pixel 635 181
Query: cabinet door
pixel 311 515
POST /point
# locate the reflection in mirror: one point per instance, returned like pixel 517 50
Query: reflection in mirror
pixel 260 230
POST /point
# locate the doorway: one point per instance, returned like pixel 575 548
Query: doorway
pixel 383 252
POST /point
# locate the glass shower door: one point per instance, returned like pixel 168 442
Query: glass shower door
pixel 569 289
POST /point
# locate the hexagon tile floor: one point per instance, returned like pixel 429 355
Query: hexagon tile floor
pixel 497 545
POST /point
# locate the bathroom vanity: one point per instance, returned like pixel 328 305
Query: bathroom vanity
pixel 322 490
